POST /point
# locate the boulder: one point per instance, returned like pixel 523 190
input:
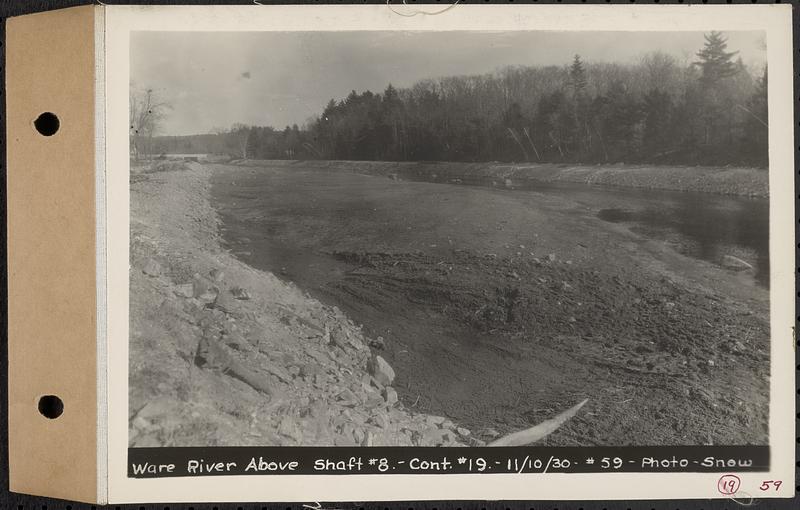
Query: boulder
pixel 435 420
pixel 203 289
pixel 217 275
pixel 377 343
pixel 390 395
pixel 186 290
pixel 158 407
pixel 381 370
pixel 152 268
pixel 224 302
pixel 240 293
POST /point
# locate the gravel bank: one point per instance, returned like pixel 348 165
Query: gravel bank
pixel 222 354
pixel 751 182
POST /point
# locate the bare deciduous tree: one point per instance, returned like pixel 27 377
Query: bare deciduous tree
pixel 147 110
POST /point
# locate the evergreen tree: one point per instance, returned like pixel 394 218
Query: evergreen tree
pixel 715 62
pixel 577 75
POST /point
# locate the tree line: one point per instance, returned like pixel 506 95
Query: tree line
pixel 711 111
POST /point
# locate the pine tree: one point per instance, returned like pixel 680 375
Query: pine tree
pixel 715 62
pixel 577 75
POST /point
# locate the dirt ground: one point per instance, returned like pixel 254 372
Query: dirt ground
pixel 500 321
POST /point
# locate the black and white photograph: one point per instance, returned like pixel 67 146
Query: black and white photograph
pixel 449 238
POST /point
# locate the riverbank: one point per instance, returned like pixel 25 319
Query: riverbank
pixel 222 354
pixel 752 182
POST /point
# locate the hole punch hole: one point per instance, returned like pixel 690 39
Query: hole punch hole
pixel 51 407
pixel 47 124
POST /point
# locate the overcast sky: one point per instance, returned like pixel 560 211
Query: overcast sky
pixel 215 79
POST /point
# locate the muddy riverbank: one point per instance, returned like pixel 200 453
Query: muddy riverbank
pixel 499 308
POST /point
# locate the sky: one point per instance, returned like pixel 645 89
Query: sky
pixel 215 79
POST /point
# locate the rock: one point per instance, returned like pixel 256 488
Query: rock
pixel 152 268
pixel 373 401
pixel 356 343
pixel 369 439
pixel 738 347
pixel 337 336
pixel 157 407
pixel 235 340
pixel 380 370
pixel 224 302
pixel 551 257
pixel 310 370
pixel 321 380
pixel 735 263
pixel 240 293
pixel 203 289
pixel 186 290
pixel 435 420
pixel 347 397
pixel 359 435
pixel 149 441
pixel 380 420
pixel 462 431
pixel 433 436
pixel 289 428
pixel 278 372
pixel 141 424
pixel 390 395
pixel 491 433
pixel 217 275
pixel 377 343
pixel 448 437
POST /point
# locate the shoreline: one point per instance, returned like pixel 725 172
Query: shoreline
pixel 222 354
pixel 736 181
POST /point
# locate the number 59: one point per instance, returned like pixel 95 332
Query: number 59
pixel 765 485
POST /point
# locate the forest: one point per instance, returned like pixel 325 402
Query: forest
pixel 709 111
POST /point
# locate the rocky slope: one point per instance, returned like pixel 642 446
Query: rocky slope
pixel 222 354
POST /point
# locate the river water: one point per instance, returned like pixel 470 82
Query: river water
pixel 285 220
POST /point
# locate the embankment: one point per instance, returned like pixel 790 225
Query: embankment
pixel 751 182
pixel 222 354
